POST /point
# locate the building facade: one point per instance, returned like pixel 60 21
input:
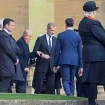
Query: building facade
pixel 35 14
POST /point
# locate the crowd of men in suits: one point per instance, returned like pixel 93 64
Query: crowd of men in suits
pixel 61 57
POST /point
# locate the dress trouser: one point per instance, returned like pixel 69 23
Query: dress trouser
pixel 81 89
pixel 68 72
pixel 50 77
pixel 5 83
pixel 92 93
pixel 21 86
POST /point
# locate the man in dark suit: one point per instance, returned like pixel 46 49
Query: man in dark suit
pixel 44 50
pixel 93 37
pixel 8 55
pixel 24 58
pixel 68 55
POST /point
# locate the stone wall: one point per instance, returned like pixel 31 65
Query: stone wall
pixel 37 13
pixel 73 8
pixel 40 13
pixel 18 11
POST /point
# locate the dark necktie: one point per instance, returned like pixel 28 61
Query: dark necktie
pixel 49 44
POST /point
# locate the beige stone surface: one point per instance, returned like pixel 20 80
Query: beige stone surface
pixel 40 13
pixel 73 8
pixel 18 11
pixel 37 13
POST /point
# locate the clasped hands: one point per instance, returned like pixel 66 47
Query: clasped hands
pixel 45 56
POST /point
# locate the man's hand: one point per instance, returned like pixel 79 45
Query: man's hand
pixel 80 72
pixel 26 69
pixel 75 79
pixel 39 53
pixel 55 69
pixel 17 62
pixel 45 56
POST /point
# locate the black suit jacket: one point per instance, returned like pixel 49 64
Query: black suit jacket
pixel 93 38
pixel 24 54
pixel 8 54
pixel 41 45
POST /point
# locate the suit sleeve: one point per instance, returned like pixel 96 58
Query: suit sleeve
pixel 21 60
pixel 20 45
pixel 6 45
pixel 98 31
pixel 36 47
pixel 17 50
pixel 57 51
pixel 79 49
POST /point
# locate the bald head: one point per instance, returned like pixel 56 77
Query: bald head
pixel 27 32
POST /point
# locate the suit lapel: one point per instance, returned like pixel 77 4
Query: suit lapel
pixel 45 42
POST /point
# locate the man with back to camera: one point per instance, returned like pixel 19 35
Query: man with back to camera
pixel 68 55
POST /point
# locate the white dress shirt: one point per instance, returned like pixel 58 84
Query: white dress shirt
pixel 6 31
pixel 70 28
pixel 47 37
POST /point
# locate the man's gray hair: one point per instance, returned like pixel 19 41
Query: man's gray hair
pixel 50 24
pixel 86 14
pixel 26 32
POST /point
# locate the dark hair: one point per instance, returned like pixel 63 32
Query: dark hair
pixel 7 21
pixel 69 22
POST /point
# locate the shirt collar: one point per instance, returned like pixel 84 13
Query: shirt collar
pixel 6 31
pixel 69 28
pixel 48 36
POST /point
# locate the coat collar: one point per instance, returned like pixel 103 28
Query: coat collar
pixel 91 18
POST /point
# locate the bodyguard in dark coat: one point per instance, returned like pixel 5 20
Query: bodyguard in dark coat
pixel 44 50
pixel 93 39
pixel 24 58
pixel 8 55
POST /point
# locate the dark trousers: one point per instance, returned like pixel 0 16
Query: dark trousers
pixel 21 86
pixel 81 89
pixel 68 73
pixel 104 87
pixel 49 82
pixel 57 83
pixel 5 83
pixel 92 93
